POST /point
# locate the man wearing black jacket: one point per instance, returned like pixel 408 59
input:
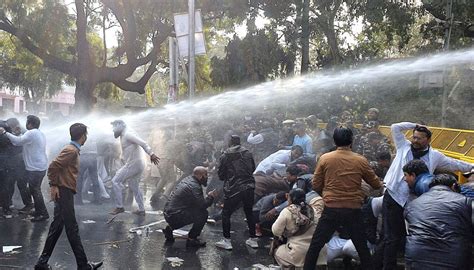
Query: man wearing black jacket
pixel 236 167
pixel 187 205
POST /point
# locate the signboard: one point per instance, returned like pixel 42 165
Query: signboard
pixel 181 27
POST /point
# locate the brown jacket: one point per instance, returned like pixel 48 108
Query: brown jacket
pixel 339 175
pixel 63 170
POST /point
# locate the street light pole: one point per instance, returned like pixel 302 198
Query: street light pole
pixel 192 63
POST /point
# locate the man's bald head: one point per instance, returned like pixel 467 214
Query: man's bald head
pixel 200 173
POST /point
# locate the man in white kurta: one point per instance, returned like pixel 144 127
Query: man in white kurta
pixel 133 167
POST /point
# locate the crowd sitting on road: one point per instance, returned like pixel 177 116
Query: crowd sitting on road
pixel 322 193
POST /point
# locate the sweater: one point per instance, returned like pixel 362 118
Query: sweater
pixel 339 175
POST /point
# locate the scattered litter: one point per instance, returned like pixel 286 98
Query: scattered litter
pixel 180 233
pixel 112 242
pixel 9 249
pixel 132 230
pixel 88 221
pixel 159 212
pixel 115 246
pixel 211 221
pixel 259 266
pixel 175 261
pixel 138 232
pixel 110 220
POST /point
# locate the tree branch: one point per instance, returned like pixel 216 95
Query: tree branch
pixel 49 60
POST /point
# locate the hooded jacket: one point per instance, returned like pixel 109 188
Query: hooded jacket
pixel 236 167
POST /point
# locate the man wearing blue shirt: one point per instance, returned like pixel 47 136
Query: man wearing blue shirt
pixel 302 139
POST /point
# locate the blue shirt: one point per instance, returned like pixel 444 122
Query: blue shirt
pixel 422 183
pixel 76 145
pixel 305 142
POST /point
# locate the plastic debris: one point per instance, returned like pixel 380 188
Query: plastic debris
pixel 259 266
pixel 139 232
pixel 88 221
pixel 9 249
pixel 180 233
pixel 133 230
pixel 175 261
pixel 211 221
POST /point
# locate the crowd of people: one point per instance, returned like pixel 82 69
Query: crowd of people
pixel 321 193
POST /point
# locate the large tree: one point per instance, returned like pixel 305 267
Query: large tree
pixel 43 27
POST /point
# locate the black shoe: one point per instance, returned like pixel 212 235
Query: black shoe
pixel 95 265
pixel 43 266
pixel 7 213
pixel 195 243
pixel 39 218
pixel 168 232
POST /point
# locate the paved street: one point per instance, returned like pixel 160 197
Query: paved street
pixel 139 252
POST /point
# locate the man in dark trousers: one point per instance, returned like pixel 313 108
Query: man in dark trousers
pixel 338 178
pixel 236 167
pixel 187 205
pixel 62 174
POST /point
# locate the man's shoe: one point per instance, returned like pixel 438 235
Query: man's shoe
pixel 39 218
pixel 139 213
pixel 8 214
pixel 43 266
pixel 195 243
pixel 252 242
pixel 95 265
pixel 168 232
pixel 225 244
pixel 117 211
pixel 26 210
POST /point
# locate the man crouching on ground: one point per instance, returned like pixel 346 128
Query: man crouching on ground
pixel 187 205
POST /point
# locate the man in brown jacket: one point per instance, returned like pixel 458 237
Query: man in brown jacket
pixel 338 177
pixel 62 174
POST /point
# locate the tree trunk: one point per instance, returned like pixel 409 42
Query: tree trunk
pixel 305 37
pixel 84 96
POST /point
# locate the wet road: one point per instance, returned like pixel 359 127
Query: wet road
pixel 132 251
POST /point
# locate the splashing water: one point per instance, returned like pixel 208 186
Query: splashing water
pixel 273 94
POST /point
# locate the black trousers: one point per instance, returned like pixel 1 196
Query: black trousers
pixel 16 174
pixel 34 180
pixel 182 218
pixel 331 219
pixel 393 231
pixel 231 204
pixel 88 167
pixel 4 190
pixel 64 217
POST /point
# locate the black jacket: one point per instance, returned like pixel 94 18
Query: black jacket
pixel 188 195
pixel 440 230
pixel 236 167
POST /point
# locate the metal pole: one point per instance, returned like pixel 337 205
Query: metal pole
pixel 191 81
pixel 447 37
pixel 176 66
pixel 172 69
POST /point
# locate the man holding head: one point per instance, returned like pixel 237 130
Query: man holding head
pixel 62 174
pixel 36 162
pixel 397 189
pixel 187 205
pixel 133 168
